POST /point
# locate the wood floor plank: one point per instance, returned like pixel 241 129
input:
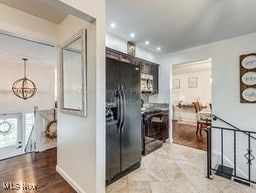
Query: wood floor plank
pixel 186 135
pixel 41 170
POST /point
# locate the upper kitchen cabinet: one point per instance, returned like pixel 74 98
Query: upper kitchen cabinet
pixel 154 72
pixel 149 70
pixel 146 68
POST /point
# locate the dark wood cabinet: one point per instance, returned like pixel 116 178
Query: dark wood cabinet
pixel 155 73
pixel 146 67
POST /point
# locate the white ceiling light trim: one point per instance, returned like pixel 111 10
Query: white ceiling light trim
pixel 132 35
pixel 113 25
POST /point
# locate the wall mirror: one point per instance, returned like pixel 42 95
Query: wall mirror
pixel 73 75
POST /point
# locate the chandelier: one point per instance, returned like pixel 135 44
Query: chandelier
pixel 24 88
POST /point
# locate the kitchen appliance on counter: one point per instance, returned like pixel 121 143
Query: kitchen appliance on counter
pixel 147 83
pixel 123 119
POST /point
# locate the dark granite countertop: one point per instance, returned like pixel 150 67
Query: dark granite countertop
pixel 154 110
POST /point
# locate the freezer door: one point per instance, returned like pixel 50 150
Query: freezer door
pixel 113 160
pixel 131 131
pixel 112 80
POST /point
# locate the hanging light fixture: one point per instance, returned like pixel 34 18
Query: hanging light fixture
pixel 24 88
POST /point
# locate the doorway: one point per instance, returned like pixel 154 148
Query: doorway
pixel 191 102
pixel 17 115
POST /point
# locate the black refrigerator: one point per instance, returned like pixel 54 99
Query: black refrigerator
pixel 123 119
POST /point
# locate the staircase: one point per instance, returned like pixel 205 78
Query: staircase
pixel 235 150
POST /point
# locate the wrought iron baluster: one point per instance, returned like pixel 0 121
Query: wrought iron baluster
pixel 249 152
pixel 234 152
pixel 222 150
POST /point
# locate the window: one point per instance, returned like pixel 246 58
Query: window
pixel 8 132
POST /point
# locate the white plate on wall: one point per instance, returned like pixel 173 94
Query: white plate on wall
pixel 249 78
pixel 249 62
pixel 249 94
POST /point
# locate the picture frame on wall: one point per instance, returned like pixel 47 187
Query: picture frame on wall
pixel 192 82
pixel 176 83
pixel 131 48
pixel 248 78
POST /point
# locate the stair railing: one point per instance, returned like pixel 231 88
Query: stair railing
pixel 31 142
pixel 248 156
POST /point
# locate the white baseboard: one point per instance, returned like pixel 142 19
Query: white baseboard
pixel 69 180
pixel 169 140
pixel 44 148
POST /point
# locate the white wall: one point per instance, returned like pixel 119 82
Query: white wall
pixel 89 141
pixel 42 119
pixel 42 76
pixel 225 76
pixel 120 44
pixel 77 135
pixel 225 87
pixel 188 95
pixel 27 26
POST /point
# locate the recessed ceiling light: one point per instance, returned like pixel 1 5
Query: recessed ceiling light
pixel 158 48
pixel 132 35
pixel 113 25
pixel 147 42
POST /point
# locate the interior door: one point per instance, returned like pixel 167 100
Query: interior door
pixel 10 135
pixel 131 132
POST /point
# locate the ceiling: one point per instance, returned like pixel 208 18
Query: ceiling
pixel 200 66
pixel 179 24
pixel 14 49
pixel 37 8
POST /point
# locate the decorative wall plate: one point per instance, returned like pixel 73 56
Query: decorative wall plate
pixel 249 78
pixel 51 130
pixel 249 94
pixel 249 62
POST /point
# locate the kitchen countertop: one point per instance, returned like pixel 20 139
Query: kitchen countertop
pixel 152 110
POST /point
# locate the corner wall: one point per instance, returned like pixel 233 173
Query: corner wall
pixel 77 135
pixel 81 142
pixel 27 26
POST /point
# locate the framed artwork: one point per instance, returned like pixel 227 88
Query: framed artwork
pixel 176 83
pixel 192 82
pixel 131 48
pixel 248 78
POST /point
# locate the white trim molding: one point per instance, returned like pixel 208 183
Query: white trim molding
pixel 69 180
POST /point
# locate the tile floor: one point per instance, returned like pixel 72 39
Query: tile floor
pixel 175 169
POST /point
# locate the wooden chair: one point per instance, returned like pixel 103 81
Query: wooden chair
pixel 201 123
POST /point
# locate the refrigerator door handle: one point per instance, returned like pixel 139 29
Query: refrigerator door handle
pixel 123 108
pixel 119 108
